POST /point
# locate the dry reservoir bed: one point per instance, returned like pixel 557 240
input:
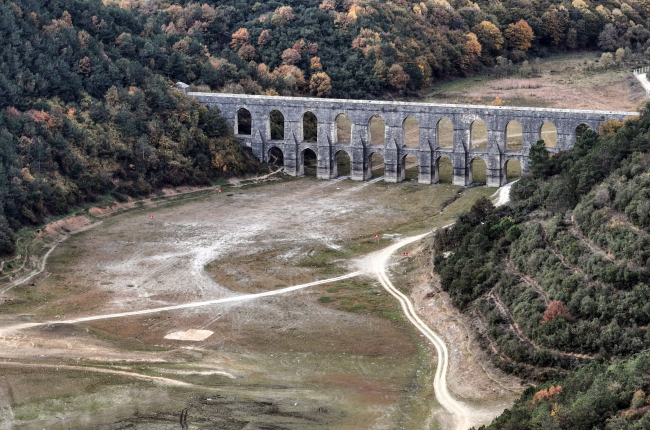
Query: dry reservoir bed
pixel 335 356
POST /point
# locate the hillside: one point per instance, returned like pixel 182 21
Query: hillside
pixel 86 108
pixel 559 278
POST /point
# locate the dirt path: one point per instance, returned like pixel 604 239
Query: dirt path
pixel 460 411
pixel 503 194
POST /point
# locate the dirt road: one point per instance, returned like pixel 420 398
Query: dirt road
pixel 377 262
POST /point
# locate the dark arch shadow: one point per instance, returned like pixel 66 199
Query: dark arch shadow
pixel 478 171
pixel 308 163
pixel 276 120
pixel 275 157
pixel 244 122
pixel 342 165
pixel 309 127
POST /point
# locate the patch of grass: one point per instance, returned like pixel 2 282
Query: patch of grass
pixel 321 259
pixel 362 296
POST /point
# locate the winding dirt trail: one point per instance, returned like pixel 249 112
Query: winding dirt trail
pixel 460 411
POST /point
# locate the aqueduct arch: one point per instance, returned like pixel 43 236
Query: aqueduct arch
pixel 443 131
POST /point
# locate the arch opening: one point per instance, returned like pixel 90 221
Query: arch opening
pixel 343 128
pixel 548 133
pixel 308 163
pixel 376 165
pixel 377 130
pixel 277 125
pixel 581 129
pixel 410 167
pixel 244 122
pixel 514 136
pixel 512 170
pixel 343 164
pixel 411 128
pixel 309 127
pixel 478 171
pixel 275 157
pixel 478 135
pixel 445 133
pixel 445 170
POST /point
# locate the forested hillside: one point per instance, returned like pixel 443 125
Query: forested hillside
pixel 86 107
pixel 560 277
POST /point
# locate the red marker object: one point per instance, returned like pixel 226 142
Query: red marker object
pixel 150 216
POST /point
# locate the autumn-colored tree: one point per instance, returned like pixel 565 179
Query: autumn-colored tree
pixel 265 37
pixel 148 7
pixel 66 19
pixel 397 78
pixel 247 52
pixel 489 36
pixel 170 29
pixel 290 56
pixel 609 127
pixel 182 46
pixel 84 66
pixel 298 46
pixel 174 12
pixel 547 395
pixel 240 38
pixel 472 53
pixel 327 5
pixel 315 64
pixel 312 49
pixel 520 36
pixel 320 84
pixel 554 25
pixel 284 70
pixel 554 309
pixel 281 15
pixel 208 13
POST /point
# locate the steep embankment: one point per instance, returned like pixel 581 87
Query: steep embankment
pixel 559 278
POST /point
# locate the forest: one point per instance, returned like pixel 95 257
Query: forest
pixel 87 109
pixel 558 279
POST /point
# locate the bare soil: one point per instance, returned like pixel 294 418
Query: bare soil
pixel 333 356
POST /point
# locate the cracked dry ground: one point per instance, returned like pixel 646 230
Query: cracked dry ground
pixel 331 356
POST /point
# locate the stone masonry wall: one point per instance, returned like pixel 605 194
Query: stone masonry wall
pixel 394 151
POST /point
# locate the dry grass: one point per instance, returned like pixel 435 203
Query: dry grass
pixel 479 134
pixel 549 134
pixel 574 87
pixel 516 84
pixel 513 136
pixel 445 133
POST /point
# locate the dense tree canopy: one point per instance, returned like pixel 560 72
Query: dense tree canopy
pixel 559 278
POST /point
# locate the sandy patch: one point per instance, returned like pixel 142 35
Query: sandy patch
pixel 191 334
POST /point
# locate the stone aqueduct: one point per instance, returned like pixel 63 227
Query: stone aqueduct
pixel 394 151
